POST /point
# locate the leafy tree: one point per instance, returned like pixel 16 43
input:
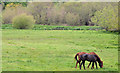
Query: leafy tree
pixel 39 11
pixel 72 19
pixel 84 10
pixel 9 13
pixel 107 18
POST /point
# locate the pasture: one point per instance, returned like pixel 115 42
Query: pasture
pixel 54 50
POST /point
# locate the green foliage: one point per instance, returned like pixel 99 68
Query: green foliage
pixel 46 27
pixel 23 21
pixel 7 26
pixel 107 18
pixel 23 3
pixel 49 27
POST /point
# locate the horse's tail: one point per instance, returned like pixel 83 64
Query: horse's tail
pixel 76 56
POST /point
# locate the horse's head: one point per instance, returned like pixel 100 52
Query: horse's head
pixel 101 64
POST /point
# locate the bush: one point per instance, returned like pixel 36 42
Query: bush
pixel 23 21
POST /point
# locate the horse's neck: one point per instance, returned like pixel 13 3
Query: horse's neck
pixel 99 60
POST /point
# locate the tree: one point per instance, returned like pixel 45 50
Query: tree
pixel 9 13
pixel 107 18
pixel 39 11
pixel 72 19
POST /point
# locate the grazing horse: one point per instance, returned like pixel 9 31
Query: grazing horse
pixel 90 58
pixel 81 53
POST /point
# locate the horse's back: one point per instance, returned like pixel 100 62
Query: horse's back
pixel 80 53
pixel 88 57
pixel 92 57
pixel 93 53
pixel 83 56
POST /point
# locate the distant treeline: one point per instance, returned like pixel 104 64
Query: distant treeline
pixel 66 13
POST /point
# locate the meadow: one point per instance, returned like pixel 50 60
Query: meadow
pixel 54 50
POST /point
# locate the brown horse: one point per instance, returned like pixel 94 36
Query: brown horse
pixel 90 58
pixel 81 53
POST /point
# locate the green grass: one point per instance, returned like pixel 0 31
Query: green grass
pixel 54 50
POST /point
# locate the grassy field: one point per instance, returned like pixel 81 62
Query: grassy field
pixel 54 50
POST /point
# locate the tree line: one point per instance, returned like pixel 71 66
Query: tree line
pixel 66 13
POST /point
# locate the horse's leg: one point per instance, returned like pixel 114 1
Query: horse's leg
pixel 79 62
pixel 81 65
pixel 76 64
pixel 89 64
pixel 92 65
pixel 96 65
pixel 84 64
